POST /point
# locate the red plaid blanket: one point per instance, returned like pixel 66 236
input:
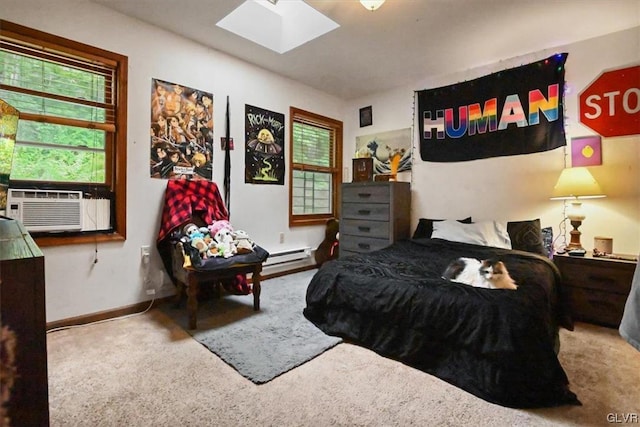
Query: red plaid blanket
pixel 184 199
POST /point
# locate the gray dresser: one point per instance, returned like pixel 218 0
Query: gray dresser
pixel 374 215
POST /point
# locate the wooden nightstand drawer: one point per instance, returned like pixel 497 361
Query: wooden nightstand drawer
pixel 606 277
pixel 366 193
pixel 354 227
pixel 596 306
pixel 362 211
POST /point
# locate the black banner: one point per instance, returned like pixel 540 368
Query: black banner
pixel 511 112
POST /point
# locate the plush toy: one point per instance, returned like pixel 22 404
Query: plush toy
pixel 223 244
pixel 243 243
pixel 330 247
pixel 196 238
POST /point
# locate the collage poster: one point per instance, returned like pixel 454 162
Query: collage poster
pixel 181 132
pixel 264 146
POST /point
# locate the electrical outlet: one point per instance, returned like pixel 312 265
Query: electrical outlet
pixel 281 237
pixel 151 292
pixel 145 253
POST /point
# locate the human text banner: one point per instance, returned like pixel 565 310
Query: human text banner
pixel 511 112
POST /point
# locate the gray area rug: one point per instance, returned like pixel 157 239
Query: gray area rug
pixel 264 344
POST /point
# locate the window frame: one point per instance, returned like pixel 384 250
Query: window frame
pixel 299 115
pixel 116 145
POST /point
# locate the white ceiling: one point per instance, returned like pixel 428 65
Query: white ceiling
pixel 403 42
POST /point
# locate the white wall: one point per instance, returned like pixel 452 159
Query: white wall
pixel 75 285
pixel 507 188
pixel 518 187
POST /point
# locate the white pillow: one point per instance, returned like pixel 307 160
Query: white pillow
pixel 485 233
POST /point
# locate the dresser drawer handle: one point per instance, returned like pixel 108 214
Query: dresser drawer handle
pixel 362 228
pixel 602 279
pixel 364 195
pixel 364 211
pixel 364 245
pixel 601 303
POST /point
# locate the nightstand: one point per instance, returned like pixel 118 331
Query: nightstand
pixel 597 288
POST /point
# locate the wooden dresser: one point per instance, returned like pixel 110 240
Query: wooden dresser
pixel 374 215
pixel 22 311
pixel 597 288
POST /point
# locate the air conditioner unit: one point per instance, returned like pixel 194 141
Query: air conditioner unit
pixel 46 210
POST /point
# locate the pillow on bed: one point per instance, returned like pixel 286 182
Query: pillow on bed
pixel 526 236
pixel 425 227
pixel 485 233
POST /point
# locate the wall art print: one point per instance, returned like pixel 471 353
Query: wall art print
pixel 586 151
pixel 511 112
pixel 264 146
pixel 383 146
pixel 181 132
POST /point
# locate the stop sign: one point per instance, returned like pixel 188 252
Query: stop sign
pixel 610 105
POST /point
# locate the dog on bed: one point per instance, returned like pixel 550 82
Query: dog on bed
pixel 488 273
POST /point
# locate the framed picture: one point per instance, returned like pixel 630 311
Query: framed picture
pixel 586 151
pixel 362 169
pixel 366 116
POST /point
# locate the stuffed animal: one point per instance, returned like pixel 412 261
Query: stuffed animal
pixel 196 238
pixel 223 244
pixel 330 247
pixel 243 243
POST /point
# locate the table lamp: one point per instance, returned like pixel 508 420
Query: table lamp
pixel 575 184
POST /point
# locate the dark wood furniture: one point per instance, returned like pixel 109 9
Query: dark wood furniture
pixel 189 280
pixel 597 288
pixel 374 215
pixel 22 311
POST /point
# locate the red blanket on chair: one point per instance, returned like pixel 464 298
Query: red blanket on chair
pixel 184 199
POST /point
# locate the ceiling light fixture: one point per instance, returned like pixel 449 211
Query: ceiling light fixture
pixel 372 4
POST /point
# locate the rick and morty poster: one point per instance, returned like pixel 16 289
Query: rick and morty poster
pixel 264 146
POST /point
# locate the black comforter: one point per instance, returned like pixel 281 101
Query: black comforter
pixel 496 344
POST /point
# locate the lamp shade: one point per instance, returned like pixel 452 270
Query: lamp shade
pixel 576 183
pixel 372 4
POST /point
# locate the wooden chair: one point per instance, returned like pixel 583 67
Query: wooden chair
pixel 199 202
pixel 188 280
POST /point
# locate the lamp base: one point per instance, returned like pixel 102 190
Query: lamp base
pixel 575 236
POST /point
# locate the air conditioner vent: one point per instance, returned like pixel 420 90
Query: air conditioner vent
pixel 46 210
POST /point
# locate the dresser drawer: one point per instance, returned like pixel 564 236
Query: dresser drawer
pixel 606 277
pixel 362 211
pixel 596 306
pixel 366 194
pixel 364 228
pixel 362 244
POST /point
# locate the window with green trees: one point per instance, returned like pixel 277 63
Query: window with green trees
pixel 72 130
pixel 315 167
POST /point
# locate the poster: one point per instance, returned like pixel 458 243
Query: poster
pixel 181 132
pixel 511 112
pixel 264 146
pixel 383 146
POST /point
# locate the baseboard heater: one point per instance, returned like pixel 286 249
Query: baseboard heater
pixel 288 256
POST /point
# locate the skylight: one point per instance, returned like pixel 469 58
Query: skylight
pixel 280 27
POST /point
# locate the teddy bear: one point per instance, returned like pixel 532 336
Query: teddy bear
pixel 243 243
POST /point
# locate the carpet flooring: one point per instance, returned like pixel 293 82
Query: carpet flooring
pixel 264 344
pixel 145 370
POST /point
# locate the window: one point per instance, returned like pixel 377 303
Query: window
pixel 72 101
pixel 315 169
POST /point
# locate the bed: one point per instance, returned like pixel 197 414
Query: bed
pixel 500 345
